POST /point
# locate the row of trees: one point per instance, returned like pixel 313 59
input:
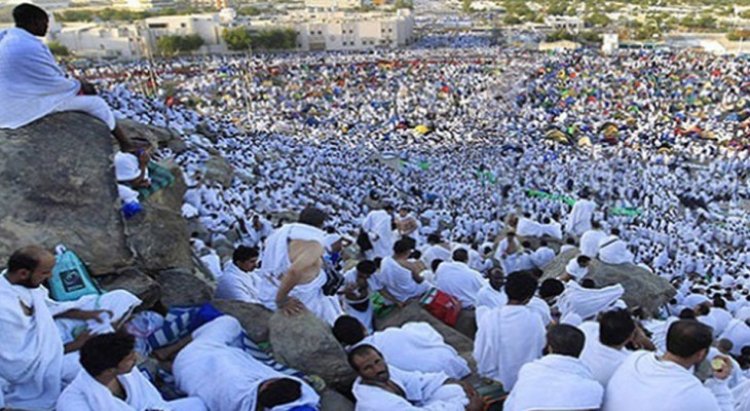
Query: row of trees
pixel 110 14
pixel 174 45
pixel 240 38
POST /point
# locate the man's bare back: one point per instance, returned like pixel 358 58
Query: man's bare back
pixel 306 258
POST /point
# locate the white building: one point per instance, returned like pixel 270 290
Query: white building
pixel 331 5
pixel 610 43
pixel 346 31
pixel 208 26
pixel 564 23
pixel 109 41
pixel 142 5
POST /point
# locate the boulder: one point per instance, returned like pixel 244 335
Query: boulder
pixel 253 317
pixel 331 400
pixel 182 287
pixel 58 186
pixel 218 170
pixel 206 131
pixel 159 235
pixel 159 137
pixel 642 288
pixel 306 343
pixel 136 282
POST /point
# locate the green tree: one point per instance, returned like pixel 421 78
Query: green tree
pixel 249 11
pixel 275 39
pixel 738 35
pixel 237 39
pixel 403 4
pixel 511 20
pixel 58 49
pixel 597 20
pixel 174 44
pixel 466 6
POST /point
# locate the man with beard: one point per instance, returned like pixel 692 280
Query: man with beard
pixel 38 355
pixel 382 387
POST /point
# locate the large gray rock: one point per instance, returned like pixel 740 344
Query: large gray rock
pixel 58 186
pixel 642 288
pixel 159 235
pixel 253 317
pixel 159 137
pixel 218 170
pixel 331 400
pixel 136 282
pixel 182 287
pixel 306 343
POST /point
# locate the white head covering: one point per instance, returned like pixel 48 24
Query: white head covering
pixel 694 300
pixel 575 270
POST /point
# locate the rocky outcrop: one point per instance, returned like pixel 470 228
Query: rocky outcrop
pixel 136 282
pixel 58 186
pixel 306 343
pixel 331 400
pixel 218 170
pixel 182 287
pixel 253 317
pixel 642 288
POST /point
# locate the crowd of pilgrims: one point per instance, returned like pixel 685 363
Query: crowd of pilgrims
pixel 442 164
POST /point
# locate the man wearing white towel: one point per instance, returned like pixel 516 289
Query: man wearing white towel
pixel 605 343
pixel 32 85
pixel 109 381
pixel 383 387
pixel 649 382
pixel 559 380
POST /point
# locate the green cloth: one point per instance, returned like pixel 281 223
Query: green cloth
pixel 380 306
pixel 160 178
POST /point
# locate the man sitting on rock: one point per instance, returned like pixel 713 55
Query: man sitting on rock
pixel 109 381
pixel 292 273
pixel 32 85
pixel 41 337
pixel 383 387
pixel 401 346
pixel 210 365
pixel 239 282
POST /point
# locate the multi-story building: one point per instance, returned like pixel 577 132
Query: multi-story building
pixel 208 26
pixel 330 5
pixel 346 31
pixel 142 5
pixel 108 40
pixel 564 23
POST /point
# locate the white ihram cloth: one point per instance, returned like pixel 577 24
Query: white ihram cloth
pixel 555 382
pixel 32 364
pixel 418 347
pixel 741 395
pixel 214 368
pixel 614 251
pixel 276 263
pixel 529 228
pixel 602 360
pixel 239 285
pixel 460 281
pixel 87 394
pixel 587 302
pixel 32 85
pixel 579 220
pixel 120 302
pixel 645 383
pixel 507 338
pixel 434 252
pixel 590 241
pixel 377 224
pixel 399 282
pixel 487 299
pixel 423 392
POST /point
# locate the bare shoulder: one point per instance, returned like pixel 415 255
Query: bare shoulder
pixel 297 248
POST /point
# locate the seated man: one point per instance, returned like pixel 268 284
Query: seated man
pixel 383 387
pixel 210 365
pixel 647 382
pixel 457 279
pixel 110 382
pixel 41 337
pixel 360 283
pixel 32 85
pixel 400 346
pixel 605 343
pixel 239 282
pixel 292 277
pixel 559 380
pixel 509 336
pixel 400 275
